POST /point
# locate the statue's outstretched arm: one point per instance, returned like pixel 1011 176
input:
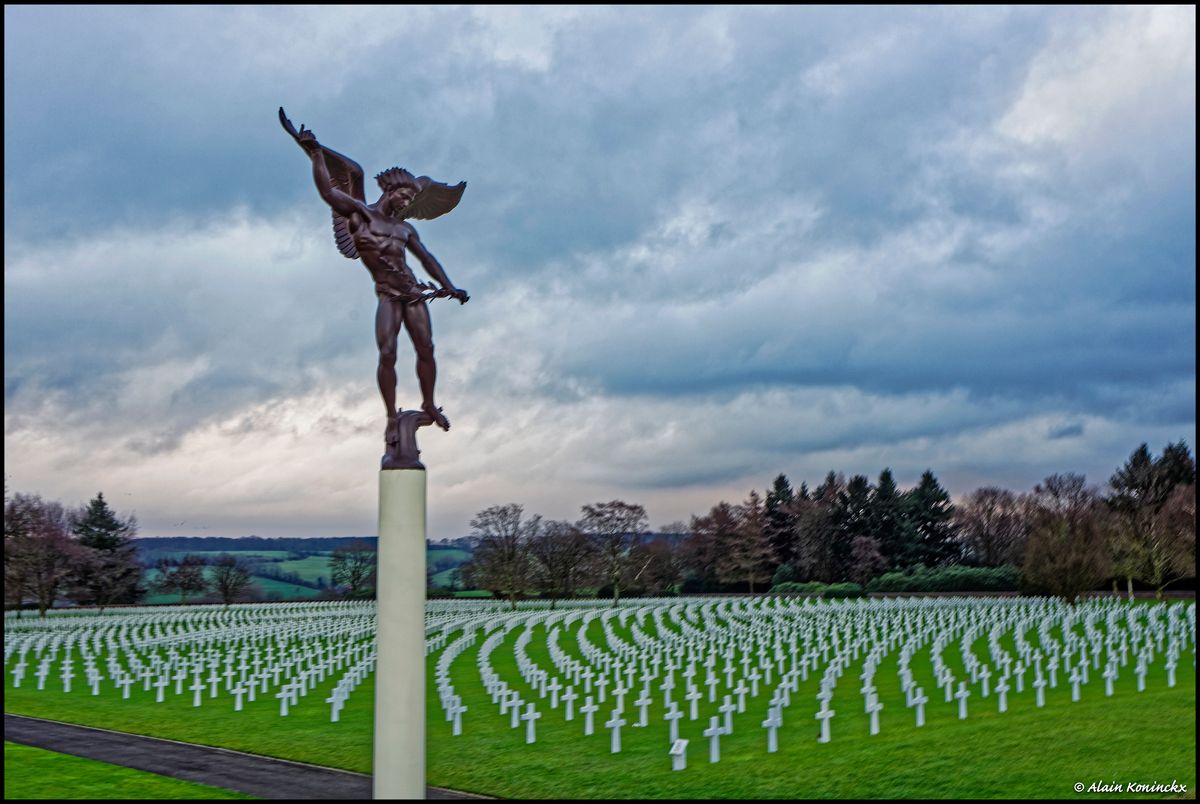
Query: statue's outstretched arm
pixel 432 266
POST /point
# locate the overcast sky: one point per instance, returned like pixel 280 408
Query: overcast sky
pixel 703 246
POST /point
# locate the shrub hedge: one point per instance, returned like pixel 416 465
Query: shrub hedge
pixel 948 579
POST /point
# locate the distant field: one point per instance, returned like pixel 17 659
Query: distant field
pixel 289 591
pixel 269 587
pixel 309 568
pixel 248 554
pixel 453 552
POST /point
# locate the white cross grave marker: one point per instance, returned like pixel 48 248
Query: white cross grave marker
pixel 713 733
pixel 962 695
pixel 615 723
pixel 530 717
pixel 772 724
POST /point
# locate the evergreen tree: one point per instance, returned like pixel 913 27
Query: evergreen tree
pixel 886 516
pixel 1175 467
pixel 930 538
pixel 852 519
pixel 96 526
pixel 781 520
pixel 109 571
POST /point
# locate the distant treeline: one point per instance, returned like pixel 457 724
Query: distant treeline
pixel 850 537
pixel 243 544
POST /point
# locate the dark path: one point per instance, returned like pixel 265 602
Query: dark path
pixel 220 767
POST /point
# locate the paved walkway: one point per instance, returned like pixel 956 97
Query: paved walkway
pixel 264 777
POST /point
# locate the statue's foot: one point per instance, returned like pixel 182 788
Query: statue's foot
pixel 438 417
pixel 391 434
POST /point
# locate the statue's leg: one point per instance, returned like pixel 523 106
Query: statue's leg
pixel 416 316
pixel 388 319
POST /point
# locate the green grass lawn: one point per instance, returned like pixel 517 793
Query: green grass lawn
pixel 31 773
pixel 1026 752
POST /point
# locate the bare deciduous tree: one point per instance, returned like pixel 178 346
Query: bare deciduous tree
pixel 866 559
pixel 1170 553
pixel 660 560
pixel 1065 554
pixel 615 528
pixel 40 557
pixel 185 576
pixel 353 567
pixel 501 562
pixel 747 553
pixel 231 578
pixel 1140 546
pixel 563 559
pixel 992 527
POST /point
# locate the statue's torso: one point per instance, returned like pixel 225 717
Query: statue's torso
pixel 381 245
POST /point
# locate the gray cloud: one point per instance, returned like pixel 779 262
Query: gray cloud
pixel 745 239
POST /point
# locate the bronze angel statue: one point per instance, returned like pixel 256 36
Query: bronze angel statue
pixel 379 235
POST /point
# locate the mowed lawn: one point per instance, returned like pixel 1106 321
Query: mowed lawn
pixel 1027 752
pixel 31 773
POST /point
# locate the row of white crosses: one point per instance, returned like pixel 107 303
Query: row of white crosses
pixel 698 661
pixel 238 654
pixel 699 647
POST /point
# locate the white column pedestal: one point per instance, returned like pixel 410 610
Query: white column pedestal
pixel 399 770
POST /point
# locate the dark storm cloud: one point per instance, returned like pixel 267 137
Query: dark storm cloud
pixel 967 219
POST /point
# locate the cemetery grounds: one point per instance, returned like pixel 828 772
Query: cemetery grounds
pixel 294 680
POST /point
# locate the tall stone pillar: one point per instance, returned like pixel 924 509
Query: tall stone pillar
pixel 400 665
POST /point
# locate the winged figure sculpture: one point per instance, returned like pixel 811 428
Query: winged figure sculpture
pixel 378 235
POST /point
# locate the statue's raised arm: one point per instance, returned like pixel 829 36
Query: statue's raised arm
pixel 345 175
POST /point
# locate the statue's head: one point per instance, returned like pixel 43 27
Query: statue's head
pixel 399 188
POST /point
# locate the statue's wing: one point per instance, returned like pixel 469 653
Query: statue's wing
pixel 346 175
pixel 343 238
pixel 433 199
